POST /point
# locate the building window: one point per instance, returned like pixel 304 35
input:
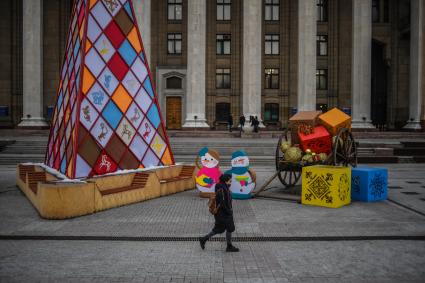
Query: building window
pixel 271 46
pixel 321 79
pixel 271 78
pixel 174 83
pixel 223 44
pixel 222 112
pixel 223 10
pixel 175 10
pixel 271 10
pixel 375 11
pixel 271 112
pixel 380 12
pixel 174 43
pixel 222 78
pixel 322 45
pixel 322 10
pixel 322 107
pixel 386 11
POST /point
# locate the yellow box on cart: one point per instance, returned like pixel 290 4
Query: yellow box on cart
pixel 328 186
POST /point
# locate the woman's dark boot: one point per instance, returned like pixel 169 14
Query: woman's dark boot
pixel 202 241
pixel 231 248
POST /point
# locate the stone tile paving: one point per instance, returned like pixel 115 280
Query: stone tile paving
pixel 185 214
pixel 100 261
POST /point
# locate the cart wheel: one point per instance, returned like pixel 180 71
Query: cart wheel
pixel 279 153
pixel 344 149
pixel 289 178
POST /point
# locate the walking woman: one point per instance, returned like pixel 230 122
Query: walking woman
pixel 224 216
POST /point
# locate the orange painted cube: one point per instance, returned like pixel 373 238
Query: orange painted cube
pixel 309 118
pixel 319 141
pixel 334 120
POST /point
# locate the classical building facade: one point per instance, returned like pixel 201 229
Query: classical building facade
pixel 215 58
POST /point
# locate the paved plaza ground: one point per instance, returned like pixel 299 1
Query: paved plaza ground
pixel 280 241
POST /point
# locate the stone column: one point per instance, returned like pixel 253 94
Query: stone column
pixel 196 50
pixel 361 72
pixel 32 45
pixel 415 68
pixel 307 31
pixel 252 73
pixel 142 9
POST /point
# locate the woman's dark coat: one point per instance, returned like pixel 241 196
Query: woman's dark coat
pixel 224 217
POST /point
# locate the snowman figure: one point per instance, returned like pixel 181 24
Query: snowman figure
pixel 243 178
pixel 209 173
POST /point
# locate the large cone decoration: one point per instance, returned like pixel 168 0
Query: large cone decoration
pixel 106 115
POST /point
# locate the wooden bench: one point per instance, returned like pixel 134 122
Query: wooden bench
pixel 138 182
pixel 34 178
pixel 185 173
pixel 23 170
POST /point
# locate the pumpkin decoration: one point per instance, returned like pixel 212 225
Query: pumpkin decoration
pixel 284 146
pixel 293 154
pixel 323 156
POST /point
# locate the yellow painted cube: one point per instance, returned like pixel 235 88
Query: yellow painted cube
pixel 334 120
pixel 328 186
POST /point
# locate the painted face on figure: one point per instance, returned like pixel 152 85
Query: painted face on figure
pixel 229 182
pixel 209 161
pixel 241 161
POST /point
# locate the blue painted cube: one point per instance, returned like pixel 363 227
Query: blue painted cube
pixel 369 184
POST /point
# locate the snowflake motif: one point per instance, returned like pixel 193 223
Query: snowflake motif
pixel 356 184
pixel 377 185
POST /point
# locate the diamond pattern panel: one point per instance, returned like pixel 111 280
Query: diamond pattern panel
pixel 94 62
pixel 105 98
pixel 122 98
pixel 131 83
pixel 118 66
pixel 101 15
pixel 114 34
pixel 113 6
pixel 102 132
pixel 143 100
pixel 140 70
pixel 126 131
pixel 134 115
pixel 146 130
pixel 138 147
pixel 112 114
pixel 104 47
pixel 98 97
pixel 108 81
pixel 88 114
pixel 127 52
pixel 124 21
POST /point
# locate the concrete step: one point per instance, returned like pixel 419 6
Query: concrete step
pixel 413 144
pixel 261 152
pixel 410 151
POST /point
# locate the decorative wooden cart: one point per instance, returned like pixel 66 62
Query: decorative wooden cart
pixel 344 152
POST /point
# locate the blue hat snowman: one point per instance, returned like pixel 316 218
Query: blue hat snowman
pixel 242 179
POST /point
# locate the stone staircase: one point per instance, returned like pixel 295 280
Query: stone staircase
pixel 260 151
pixel 412 150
